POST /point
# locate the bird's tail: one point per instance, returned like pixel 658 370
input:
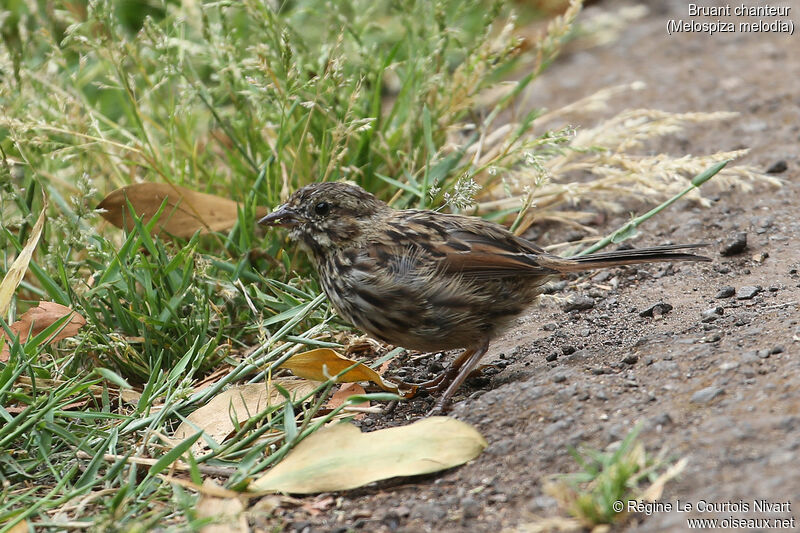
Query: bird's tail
pixel 655 254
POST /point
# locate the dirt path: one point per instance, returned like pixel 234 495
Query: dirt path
pixel 722 392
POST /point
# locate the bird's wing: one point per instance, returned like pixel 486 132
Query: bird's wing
pixel 473 247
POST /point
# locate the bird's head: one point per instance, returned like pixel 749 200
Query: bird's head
pixel 323 216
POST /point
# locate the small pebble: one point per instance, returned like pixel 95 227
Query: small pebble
pixel 777 167
pixel 765 222
pixel 725 292
pixel 704 396
pixel 657 309
pixel 604 275
pixel 578 357
pixel 573 236
pixel 662 419
pixel 735 245
pixel 554 287
pixel 498 498
pixel 559 378
pixel 578 303
pixel 747 292
pixel 749 357
pixel 470 507
pixel 710 315
pixel 631 359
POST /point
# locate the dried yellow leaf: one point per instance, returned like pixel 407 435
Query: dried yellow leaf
pixel 240 403
pixel 20 265
pixel 340 457
pixel 323 364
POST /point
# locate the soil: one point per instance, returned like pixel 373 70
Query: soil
pixel 719 388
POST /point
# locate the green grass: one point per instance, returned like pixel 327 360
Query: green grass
pixel 599 493
pixel 235 99
pixel 249 101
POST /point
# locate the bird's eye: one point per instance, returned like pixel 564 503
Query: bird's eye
pixel 322 208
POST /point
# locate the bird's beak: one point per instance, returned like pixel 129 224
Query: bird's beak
pixel 282 216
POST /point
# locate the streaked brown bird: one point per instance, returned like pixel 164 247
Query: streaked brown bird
pixel 429 281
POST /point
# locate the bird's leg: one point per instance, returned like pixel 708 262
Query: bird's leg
pixel 455 375
pixel 440 382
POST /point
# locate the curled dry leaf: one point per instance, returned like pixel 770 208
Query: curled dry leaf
pixel 240 403
pixel 320 505
pixel 340 457
pixel 20 265
pixel 186 211
pixel 344 392
pixel 323 364
pixel 37 319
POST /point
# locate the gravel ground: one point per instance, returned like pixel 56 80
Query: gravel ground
pixel 714 379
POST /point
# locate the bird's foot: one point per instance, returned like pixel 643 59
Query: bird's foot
pixel 441 407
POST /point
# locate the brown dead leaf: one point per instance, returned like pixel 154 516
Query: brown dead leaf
pixel 323 363
pixel 211 490
pixel 73 406
pixel 39 318
pixel 240 403
pixel 319 505
pixel 20 265
pixel 130 396
pixel 20 527
pixel 228 513
pixel 344 392
pixel 340 457
pixel 270 503
pixel 222 370
pixel 186 211
pixel 43 386
pixel 361 347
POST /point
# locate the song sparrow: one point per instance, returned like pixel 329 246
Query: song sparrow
pixel 429 281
